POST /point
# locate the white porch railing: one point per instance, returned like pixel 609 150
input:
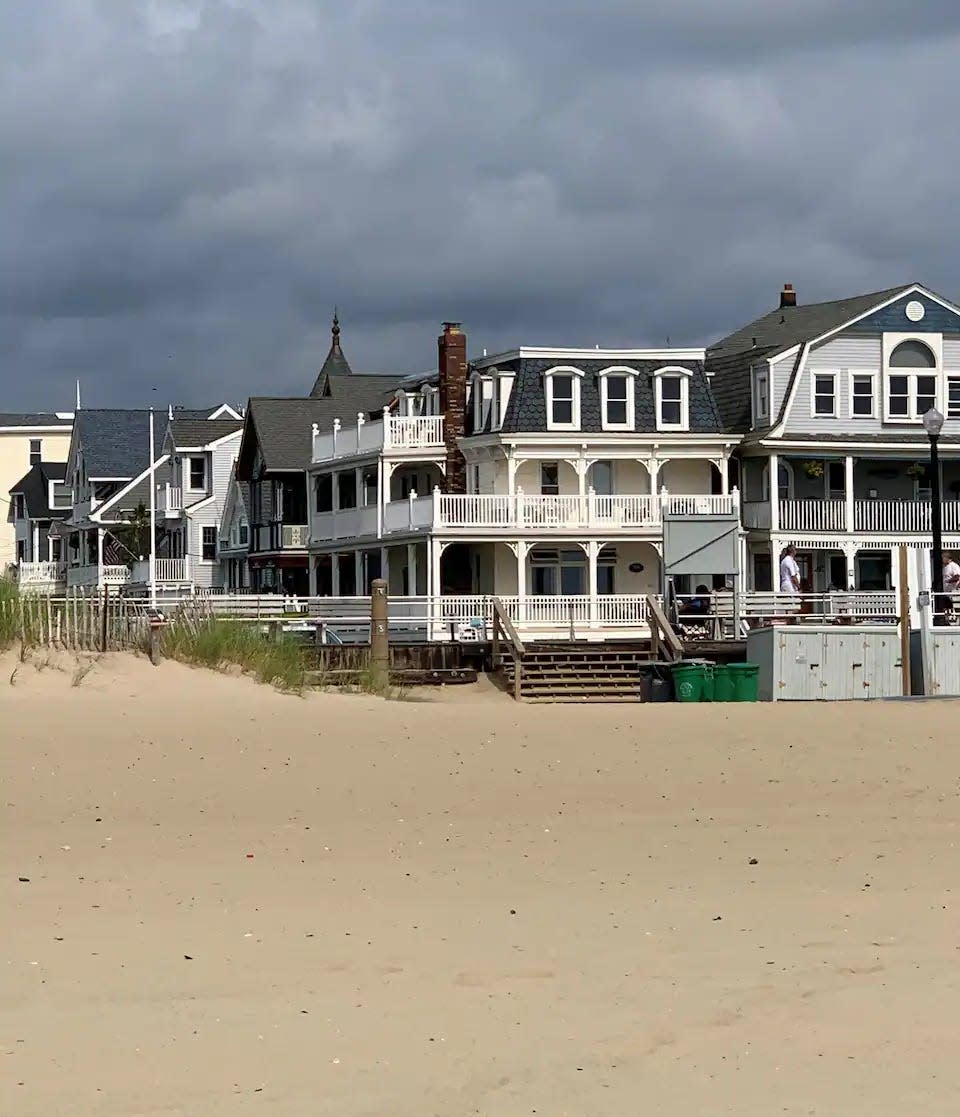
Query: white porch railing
pixel 170 499
pixel 398 432
pixel 812 515
pixel 41 573
pixel 83 576
pixel 173 570
pixel 881 516
pixel 904 515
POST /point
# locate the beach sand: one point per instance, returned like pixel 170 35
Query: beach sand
pixel 244 903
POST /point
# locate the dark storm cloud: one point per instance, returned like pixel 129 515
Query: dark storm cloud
pixel 189 186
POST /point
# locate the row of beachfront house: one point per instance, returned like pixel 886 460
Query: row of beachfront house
pixel 532 473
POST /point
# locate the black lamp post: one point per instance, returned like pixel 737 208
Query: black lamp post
pixel 933 424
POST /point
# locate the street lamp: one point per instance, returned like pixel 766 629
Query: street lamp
pixel 933 424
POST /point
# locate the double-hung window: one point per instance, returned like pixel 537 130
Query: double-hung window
pixel 562 387
pixel 198 474
pixel 672 398
pixel 862 395
pixel 953 397
pixel 825 393
pixel 208 544
pixel 761 395
pixel 616 398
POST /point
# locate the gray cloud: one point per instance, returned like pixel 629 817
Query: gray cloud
pixel 189 185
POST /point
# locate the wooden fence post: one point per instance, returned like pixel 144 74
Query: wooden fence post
pixel 904 610
pixel 379 634
pixel 103 618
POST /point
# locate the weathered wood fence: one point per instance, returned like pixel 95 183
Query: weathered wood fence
pixel 95 622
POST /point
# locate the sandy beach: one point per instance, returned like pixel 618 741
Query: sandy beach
pixel 238 902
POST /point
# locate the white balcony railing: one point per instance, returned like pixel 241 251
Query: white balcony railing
pixel 496 511
pixel 812 515
pixel 93 575
pixel 173 570
pixel 41 573
pixel 170 500
pixel 397 432
pixel 901 517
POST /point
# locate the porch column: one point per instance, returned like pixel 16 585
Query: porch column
pixel 512 464
pixel 775 546
pixel 334 575
pixel 380 499
pixel 773 484
pixel 359 588
pixel 412 569
pixel 434 555
pixel 35 548
pixel 593 552
pixel 848 523
pixel 724 475
pixel 850 562
pixel 99 556
pixel 522 548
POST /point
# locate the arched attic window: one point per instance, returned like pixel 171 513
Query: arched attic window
pixel 911 382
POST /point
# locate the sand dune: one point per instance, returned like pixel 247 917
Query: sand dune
pixel 243 903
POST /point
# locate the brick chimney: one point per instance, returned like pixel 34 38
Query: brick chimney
pixel 788 297
pixel 452 347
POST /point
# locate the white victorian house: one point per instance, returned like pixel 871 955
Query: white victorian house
pixel 537 475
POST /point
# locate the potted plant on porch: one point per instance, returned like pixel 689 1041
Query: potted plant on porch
pixel 813 469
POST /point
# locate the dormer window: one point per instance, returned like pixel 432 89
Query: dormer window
pixel 911 377
pixel 616 398
pixel 672 396
pixel 761 394
pixel 563 398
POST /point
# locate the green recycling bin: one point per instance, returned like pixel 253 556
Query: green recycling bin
pixel 746 681
pixel 722 683
pixel 688 679
pixel 707 691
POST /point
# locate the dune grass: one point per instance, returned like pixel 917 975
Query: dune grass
pixel 217 643
pixel 9 612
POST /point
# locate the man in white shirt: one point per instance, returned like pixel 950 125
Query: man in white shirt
pixel 789 571
pixel 951 574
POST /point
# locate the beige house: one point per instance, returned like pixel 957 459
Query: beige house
pixel 25 440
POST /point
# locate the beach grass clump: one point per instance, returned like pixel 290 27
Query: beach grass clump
pixel 9 612
pixel 219 644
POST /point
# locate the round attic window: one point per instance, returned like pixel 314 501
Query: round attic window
pixel 915 310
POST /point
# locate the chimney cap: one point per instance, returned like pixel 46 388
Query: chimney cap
pixel 788 296
pixel 451 327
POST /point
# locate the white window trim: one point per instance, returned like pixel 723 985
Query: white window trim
pixel 190 487
pixel 874 378
pixel 760 372
pixel 630 374
pixel 823 372
pixel 685 375
pixel 934 342
pixel 577 375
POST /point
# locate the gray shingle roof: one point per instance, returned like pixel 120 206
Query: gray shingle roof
pixel 527 408
pixel 116 441
pixel 729 360
pixel 33 419
pixel 35 486
pixel 201 432
pixel 283 427
pixel 336 364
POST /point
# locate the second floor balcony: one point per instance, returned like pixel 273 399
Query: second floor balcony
pixel 472 513
pixel 392 432
pixel 900 517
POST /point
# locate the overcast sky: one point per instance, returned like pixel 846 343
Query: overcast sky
pixel 188 186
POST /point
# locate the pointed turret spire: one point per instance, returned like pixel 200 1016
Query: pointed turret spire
pixel 336 363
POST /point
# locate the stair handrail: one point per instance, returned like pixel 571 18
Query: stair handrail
pixel 663 637
pixel 503 626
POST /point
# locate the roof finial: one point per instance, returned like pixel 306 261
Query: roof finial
pixel 336 329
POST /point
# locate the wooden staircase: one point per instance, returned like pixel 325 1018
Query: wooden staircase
pixel 580 671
